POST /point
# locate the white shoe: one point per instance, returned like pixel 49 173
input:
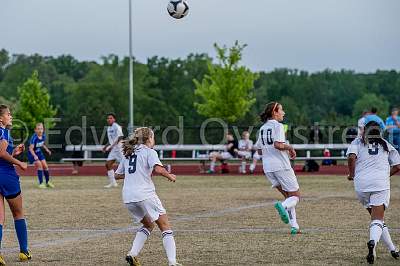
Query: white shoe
pixel 111 185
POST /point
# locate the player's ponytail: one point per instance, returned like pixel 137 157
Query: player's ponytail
pixel 140 136
pixel 373 135
pixel 269 110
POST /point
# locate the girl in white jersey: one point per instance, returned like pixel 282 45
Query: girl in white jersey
pixel 276 163
pixel 370 159
pixel 139 195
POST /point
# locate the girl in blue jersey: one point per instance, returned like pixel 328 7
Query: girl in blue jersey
pixel 36 156
pixel 9 184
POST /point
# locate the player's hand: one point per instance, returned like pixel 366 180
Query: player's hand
pixel 350 178
pixel 172 177
pixel 23 166
pixel 49 152
pixel 292 154
pixel 19 149
pixel 35 158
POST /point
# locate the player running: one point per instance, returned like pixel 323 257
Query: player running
pixel 139 195
pixel 9 184
pixel 36 156
pixel 276 164
pixel 115 135
pixel 369 160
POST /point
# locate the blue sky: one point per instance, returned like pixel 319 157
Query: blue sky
pixel 363 35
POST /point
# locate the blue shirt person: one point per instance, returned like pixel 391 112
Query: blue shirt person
pixel 393 128
pixel 374 117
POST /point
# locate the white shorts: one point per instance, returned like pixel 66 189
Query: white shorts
pixel 284 178
pixel 115 155
pixel 244 154
pixel 375 198
pixel 257 156
pixel 151 208
pixel 226 155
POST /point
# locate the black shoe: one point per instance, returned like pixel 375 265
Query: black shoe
pixel 370 256
pixel 395 254
pixel 132 260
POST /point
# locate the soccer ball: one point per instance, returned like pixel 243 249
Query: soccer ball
pixel 178 8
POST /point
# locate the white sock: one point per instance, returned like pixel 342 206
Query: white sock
pixel 169 246
pixel 252 166
pixel 243 166
pixel 212 165
pixel 140 238
pixel 292 218
pixel 375 231
pixel 387 239
pixel 290 202
pixel 111 176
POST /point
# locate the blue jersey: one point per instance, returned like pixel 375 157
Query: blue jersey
pixel 376 119
pixel 391 122
pixel 37 142
pixel 6 166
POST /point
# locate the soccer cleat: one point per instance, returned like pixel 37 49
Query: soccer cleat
pixel 295 231
pixel 25 256
pixel 371 252
pixel 282 212
pixel 2 261
pixel 132 260
pixel 50 185
pixel 111 185
pixel 395 254
pixel 176 264
pixel 42 185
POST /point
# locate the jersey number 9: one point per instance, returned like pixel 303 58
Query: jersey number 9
pixel 132 164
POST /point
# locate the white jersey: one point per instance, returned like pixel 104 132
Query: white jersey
pixel 360 126
pixel 373 164
pixel 113 133
pixel 273 159
pixel 138 185
pixel 245 145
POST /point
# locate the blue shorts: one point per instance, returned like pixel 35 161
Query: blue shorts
pixel 10 187
pixel 40 155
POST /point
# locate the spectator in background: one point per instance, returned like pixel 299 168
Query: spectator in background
pixel 393 128
pixel 231 149
pixel 374 117
pixel 361 123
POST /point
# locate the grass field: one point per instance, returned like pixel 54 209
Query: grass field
pixel 221 220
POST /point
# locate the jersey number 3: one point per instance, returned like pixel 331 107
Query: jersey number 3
pixel 373 149
pixel 132 164
pixel 270 141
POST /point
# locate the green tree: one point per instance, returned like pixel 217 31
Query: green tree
pixel 227 91
pixel 34 103
pixel 369 100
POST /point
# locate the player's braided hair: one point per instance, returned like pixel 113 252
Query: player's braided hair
pixel 3 109
pixel 373 135
pixel 269 110
pixel 140 136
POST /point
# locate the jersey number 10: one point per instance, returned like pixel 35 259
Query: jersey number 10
pixel 270 141
pixel 132 164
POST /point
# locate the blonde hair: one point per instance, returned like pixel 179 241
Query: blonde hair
pixel 140 136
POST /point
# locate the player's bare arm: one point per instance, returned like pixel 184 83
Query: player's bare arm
pixel 18 150
pixel 352 166
pixel 285 147
pixel 119 177
pixel 394 170
pixel 162 171
pixel 4 155
pixel 47 149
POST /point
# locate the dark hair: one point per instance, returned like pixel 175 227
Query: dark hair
pixel 374 110
pixel 270 108
pixel 112 114
pixel 373 135
pixel 395 109
pixel 3 107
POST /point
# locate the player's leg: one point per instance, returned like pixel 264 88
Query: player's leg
pixel 110 173
pixel 15 203
pixel 39 168
pixel 46 173
pixel 214 156
pixel 2 217
pixel 253 165
pixel 168 239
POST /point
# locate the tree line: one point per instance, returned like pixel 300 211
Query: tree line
pixel 164 89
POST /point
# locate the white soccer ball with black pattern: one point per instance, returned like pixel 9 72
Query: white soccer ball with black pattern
pixel 178 9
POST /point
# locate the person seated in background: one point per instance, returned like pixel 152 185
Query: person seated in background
pixel 231 149
pixel 374 117
pixel 361 123
pixel 245 148
pixel 393 128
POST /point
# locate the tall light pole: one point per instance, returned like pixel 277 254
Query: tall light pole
pixel 131 120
